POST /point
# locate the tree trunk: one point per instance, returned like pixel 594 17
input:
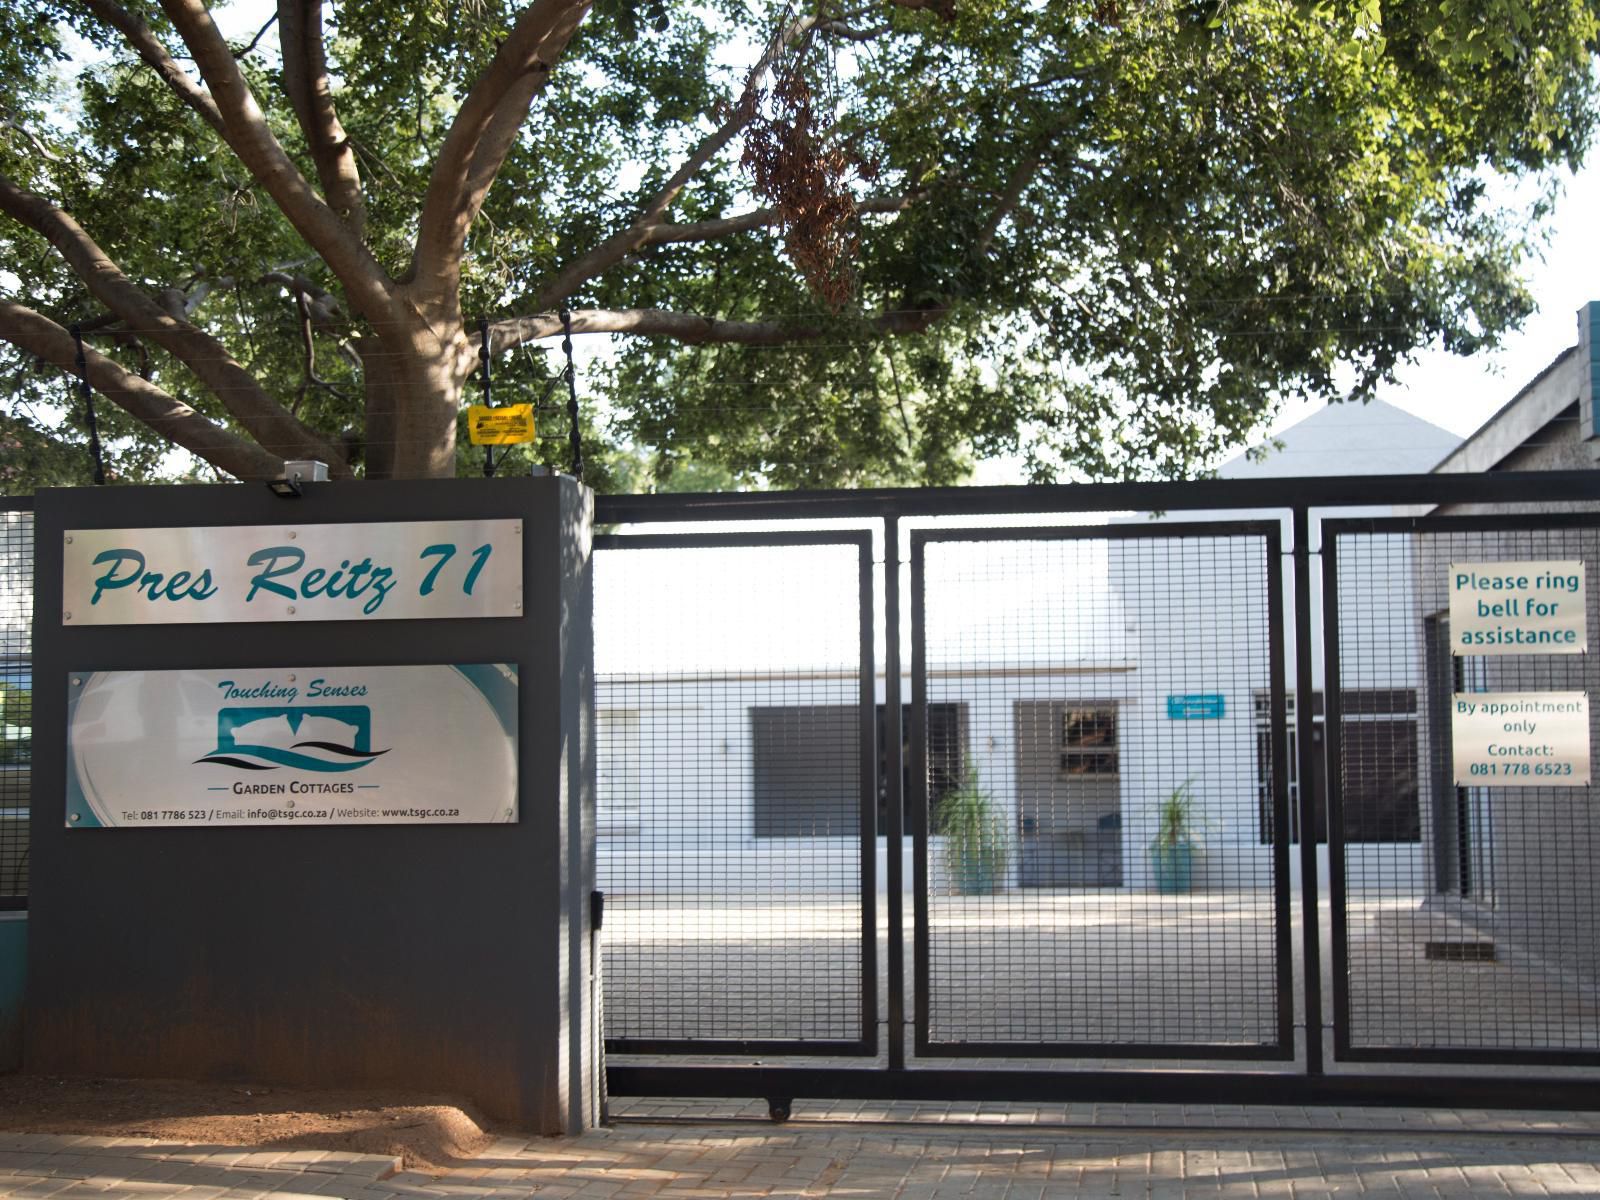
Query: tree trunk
pixel 414 381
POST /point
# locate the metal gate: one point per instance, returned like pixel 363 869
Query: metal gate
pixel 16 700
pixel 859 846
pixel 1098 672
pixel 1484 945
pixel 886 778
pixel 735 755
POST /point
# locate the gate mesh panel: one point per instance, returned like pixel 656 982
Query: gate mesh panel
pixel 1471 913
pixel 729 745
pixel 1097 677
pixel 16 700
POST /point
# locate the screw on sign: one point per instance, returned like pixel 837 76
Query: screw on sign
pixel 507 426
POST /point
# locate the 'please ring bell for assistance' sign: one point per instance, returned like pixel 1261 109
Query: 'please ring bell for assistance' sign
pixel 293 746
pixel 1518 608
pixel 1520 739
pixel 306 572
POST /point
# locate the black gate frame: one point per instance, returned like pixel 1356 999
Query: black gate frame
pixel 1306 1081
pixel 1282 1049
pixel 1344 1051
pixel 867 1043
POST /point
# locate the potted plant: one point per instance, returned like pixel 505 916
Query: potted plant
pixel 977 842
pixel 1172 850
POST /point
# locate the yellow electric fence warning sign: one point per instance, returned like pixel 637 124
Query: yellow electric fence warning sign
pixel 509 425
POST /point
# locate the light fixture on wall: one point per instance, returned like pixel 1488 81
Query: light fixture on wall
pixel 295 472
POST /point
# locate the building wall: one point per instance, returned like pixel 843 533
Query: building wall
pixel 1171 617
pixel 1542 844
pixel 1558 445
pixel 1535 857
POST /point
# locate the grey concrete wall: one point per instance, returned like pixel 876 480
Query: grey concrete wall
pixel 1544 842
pixel 1558 445
pixel 449 958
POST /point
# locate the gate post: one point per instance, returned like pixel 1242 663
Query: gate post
pixel 399 936
pixel 1304 683
pixel 894 780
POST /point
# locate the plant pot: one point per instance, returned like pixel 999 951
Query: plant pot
pixel 1173 867
pixel 972 876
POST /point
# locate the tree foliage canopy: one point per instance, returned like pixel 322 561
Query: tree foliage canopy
pixel 834 241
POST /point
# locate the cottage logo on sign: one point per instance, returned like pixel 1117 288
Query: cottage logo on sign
pixel 293 747
pixel 268 738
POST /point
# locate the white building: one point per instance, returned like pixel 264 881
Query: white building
pixel 1080 681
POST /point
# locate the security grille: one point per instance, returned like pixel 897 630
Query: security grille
pixel 16 699
pixel 1472 930
pixel 1099 885
pixel 734 722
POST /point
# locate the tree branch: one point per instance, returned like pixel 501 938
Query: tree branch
pixel 308 351
pixel 692 328
pixel 260 33
pixel 231 109
pixel 265 419
pixel 945 8
pixel 1015 186
pixel 38 146
pixel 305 80
pixel 481 136
pixel 144 41
pixel 624 242
pixel 683 327
pixel 720 227
pixel 840 29
pixel 322 305
pixel 170 418
pixel 743 111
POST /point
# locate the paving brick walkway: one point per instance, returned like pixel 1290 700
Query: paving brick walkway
pixel 906 1152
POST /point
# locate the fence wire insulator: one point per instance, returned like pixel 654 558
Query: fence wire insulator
pixel 485 382
pixel 572 393
pixel 81 364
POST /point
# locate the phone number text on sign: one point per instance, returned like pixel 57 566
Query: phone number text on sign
pixel 1520 739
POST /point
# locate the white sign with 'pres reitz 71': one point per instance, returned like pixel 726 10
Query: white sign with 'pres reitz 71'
pixel 1520 739
pixel 368 571
pixel 1518 608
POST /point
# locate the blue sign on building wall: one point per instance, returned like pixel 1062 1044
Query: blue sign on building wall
pixel 1200 706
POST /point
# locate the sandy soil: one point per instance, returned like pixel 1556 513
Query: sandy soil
pixel 425 1131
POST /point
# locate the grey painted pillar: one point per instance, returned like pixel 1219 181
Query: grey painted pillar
pixel 453 959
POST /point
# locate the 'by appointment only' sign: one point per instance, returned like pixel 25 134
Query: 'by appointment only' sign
pixel 383 570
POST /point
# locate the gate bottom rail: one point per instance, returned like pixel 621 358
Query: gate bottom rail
pixel 1280 1088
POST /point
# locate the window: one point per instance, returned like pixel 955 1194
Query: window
pixel 807 768
pixel 618 776
pixel 1089 741
pixel 1378 729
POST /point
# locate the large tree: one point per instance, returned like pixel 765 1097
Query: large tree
pixel 836 240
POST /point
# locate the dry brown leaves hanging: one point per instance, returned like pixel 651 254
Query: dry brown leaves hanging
pixel 804 179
